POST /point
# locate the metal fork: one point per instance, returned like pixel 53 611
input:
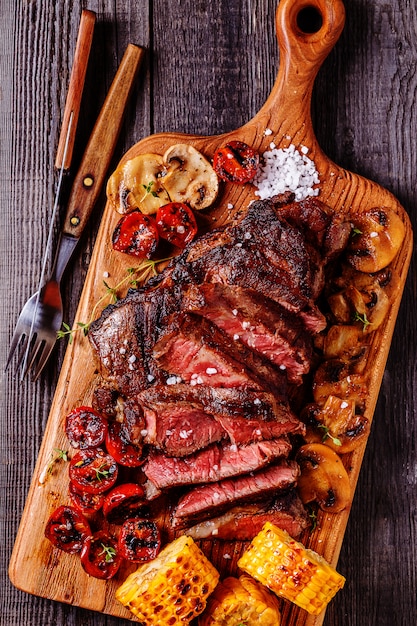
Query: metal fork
pixel 41 317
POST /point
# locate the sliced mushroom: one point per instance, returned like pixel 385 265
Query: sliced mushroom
pixel 344 342
pixel 323 478
pixel 338 378
pixel 363 299
pixel 189 177
pixel 137 185
pixel 376 238
pixel 335 424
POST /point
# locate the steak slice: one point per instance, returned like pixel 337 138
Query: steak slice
pixel 213 464
pixel 209 500
pixel 179 429
pixel 199 352
pixel 261 252
pixel 242 523
pixel 243 415
pixel 124 335
pixel 258 322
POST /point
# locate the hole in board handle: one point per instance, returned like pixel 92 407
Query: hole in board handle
pixel 309 20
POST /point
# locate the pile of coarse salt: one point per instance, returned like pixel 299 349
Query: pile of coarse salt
pixel 286 169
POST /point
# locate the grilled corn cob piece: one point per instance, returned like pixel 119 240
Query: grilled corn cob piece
pixel 290 570
pixel 173 588
pixel 241 600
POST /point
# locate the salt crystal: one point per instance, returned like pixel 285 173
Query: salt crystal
pixel 236 337
pixel 282 367
pixel 215 531
pixel 233 447
pixel 106 274
pixel 304 149
pixel 181 229
pixel 234 311
pixel 144 432
pixel 132 358
pixel 344 405
pixel 172 380
pixel 256 401
pixel 230 205
pixel 373 234
pixel 267 132
pixel 210 371
pixel 226 555
pixel 122 350
pixel 199 381
pixel 150 378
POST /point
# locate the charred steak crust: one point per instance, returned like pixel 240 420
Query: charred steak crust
pixel 229 321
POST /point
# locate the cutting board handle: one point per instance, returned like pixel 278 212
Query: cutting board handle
pixel 307 30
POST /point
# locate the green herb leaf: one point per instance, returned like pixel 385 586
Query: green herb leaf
pixel 363 319
pixel 109 551
pixel 327 435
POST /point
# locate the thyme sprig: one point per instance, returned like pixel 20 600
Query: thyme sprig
pixel 135 276
pixel 148 190
pixel 109 551
pixel 363 319
pixel 327 435
pixel 56 455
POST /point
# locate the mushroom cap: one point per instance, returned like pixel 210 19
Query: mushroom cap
pixel 136 184
pixel 189 177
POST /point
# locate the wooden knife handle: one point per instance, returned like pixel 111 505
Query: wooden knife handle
pixel 96 160
pixel 75 90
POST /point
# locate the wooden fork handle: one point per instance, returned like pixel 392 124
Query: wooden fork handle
pixel 75 90
pixel 89 179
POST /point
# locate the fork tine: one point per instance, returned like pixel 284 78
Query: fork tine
pixel 47 349
pixel 31 353
pixel 16 340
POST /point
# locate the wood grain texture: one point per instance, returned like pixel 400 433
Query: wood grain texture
pixel 210 69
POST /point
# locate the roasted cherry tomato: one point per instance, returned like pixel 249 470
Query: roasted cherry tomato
pixel 236 162
pixel 85 428
pixel 100 556
pixel 67 529
pixel 139 540
pixel 87 503
pixel 176 223
pixel 123 502
pixel 124 452
pixel 93 470
pixel 136 234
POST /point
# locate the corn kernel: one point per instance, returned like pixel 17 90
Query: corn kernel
pixel 290 570
pixel 173 588
pixel 244 600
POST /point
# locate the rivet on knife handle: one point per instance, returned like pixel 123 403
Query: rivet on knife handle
pixel 96 160
pixel 76 85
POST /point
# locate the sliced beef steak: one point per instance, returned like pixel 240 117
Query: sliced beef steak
pixel 258 322
pixel 209 500
pixel 124 336
pixel 179 429
pixel 243 415
pixel 261 252
pixel 242 523
pixel 214 463
pixel 199 352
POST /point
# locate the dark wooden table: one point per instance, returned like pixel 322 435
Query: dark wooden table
pixel 209 67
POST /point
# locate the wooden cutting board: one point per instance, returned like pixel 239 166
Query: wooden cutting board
pixel 307 30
